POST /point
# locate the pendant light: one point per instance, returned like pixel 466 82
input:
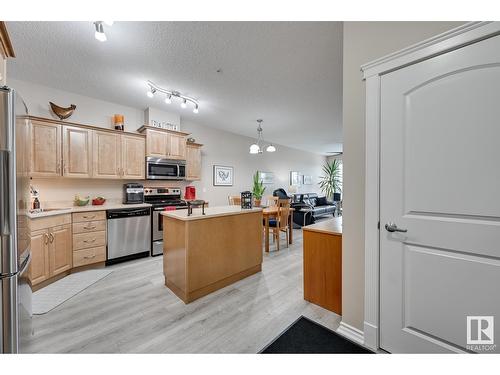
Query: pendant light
pixel 255 147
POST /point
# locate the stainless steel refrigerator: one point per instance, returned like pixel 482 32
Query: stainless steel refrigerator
pixel 15 253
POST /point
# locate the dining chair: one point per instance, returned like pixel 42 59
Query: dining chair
pixel 281 223
pixel 234 200
pixel 271 201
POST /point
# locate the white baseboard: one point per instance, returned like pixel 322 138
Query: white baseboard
pixel 371 336
pixel 351 333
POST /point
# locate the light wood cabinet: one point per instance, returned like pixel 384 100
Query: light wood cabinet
pixel 106 155
pixel 77 152
pixel 176 146
pixel 133 158
pixel 60 250
pixel 193 161
pixel 156 143
pixel 166 144
pixel 51 247
pixel 39 267
pixel 45 149
pixel 89 238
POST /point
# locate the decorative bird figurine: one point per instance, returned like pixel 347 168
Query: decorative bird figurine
pixel 62 113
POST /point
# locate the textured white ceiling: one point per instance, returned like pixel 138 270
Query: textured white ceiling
pixel 288 73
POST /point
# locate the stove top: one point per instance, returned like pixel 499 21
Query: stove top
pixel 163 197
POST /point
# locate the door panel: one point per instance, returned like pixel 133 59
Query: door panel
pixel 439 179
pixel 39 267
pixel 60 249
pixel 107 155
pixel 156 143
pixel 133 157
pixel 45 152
pixel 77 152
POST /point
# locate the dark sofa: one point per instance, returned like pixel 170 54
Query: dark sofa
pixel 309 207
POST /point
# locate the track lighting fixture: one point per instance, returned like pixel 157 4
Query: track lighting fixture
pixel 170 94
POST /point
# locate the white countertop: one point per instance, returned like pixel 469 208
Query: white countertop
pixel 209 212
pixel 69 210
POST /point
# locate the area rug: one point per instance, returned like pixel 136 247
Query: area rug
pixel 305 336
pixel 53 295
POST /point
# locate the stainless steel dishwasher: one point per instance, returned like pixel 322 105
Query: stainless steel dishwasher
pixel 129 234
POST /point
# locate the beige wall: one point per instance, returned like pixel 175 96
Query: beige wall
pixel 220 147
pixel 363 42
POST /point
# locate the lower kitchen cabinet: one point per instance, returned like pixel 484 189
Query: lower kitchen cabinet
pixel 51 248
pixel 39 267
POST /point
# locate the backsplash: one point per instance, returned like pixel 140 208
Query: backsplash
pixel 56 192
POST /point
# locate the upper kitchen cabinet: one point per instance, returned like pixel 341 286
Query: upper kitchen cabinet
pixel 165 144
pixel 176 146
pixel 77 152
pixel 133 156
pixel 193 161
pixel 45 142
pixel 106 155
pixel 156 143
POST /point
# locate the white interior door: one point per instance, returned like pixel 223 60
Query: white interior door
pixel 440 180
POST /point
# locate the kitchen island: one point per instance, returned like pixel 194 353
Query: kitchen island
pixel 204 253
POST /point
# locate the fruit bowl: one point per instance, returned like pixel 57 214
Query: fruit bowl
pixel 81 201
pixel 98 201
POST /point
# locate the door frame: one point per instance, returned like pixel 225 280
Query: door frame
pixel 372 72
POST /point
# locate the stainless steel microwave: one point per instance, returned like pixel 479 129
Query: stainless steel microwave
pixel 165 169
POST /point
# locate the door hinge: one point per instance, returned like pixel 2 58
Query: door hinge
pixel 378 225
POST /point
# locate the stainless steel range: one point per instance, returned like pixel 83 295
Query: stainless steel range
pixel 161 198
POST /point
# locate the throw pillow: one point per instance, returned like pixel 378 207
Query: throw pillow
pixel 321 201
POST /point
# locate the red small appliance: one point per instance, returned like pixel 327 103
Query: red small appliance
pixel 190 193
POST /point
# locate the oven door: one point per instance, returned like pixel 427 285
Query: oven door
pixel 161 169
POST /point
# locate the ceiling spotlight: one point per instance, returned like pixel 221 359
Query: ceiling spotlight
pixel 183 104
pixel 271 148
pixel 168 99
pixel 195 110
pixel 109 23
pixel 99 32
pixel 151 93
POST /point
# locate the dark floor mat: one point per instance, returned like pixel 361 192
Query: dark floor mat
pixel 306 336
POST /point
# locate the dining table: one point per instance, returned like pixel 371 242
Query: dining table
pixel 272 212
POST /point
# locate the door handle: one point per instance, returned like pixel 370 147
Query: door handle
pixel 392 227
pixel 51 237
pixel 45 238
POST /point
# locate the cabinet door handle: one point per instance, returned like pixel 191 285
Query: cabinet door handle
pixel 89 227
pixel 89 241
pixel 88 217
pixel 89 257
pixel 51 237
pixel 45 238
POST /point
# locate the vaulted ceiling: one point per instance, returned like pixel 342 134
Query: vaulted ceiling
pixel 288 73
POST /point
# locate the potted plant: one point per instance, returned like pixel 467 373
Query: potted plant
pixel 331 182
pixel 258 188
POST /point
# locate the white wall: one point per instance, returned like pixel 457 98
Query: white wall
pixel 363 42
pixel 220 147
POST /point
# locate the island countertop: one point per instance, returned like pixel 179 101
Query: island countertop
pixel 209 212
pixel 204 253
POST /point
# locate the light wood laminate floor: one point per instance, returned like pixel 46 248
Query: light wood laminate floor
pixel 131 311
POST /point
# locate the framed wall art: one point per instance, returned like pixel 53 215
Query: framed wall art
pixel 223 175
